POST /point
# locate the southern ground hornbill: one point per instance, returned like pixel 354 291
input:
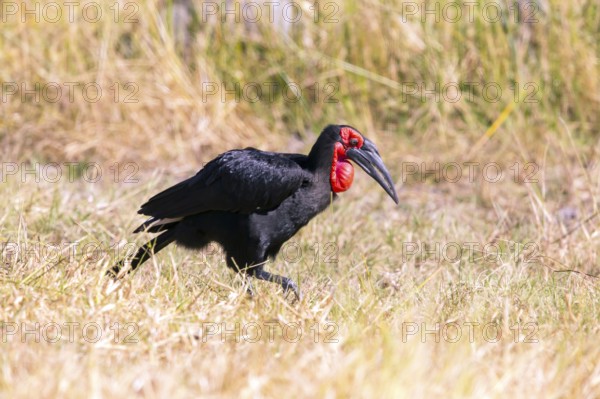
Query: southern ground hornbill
pixel 251 202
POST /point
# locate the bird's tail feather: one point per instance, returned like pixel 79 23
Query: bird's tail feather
pixel 155 225
pixel 144 252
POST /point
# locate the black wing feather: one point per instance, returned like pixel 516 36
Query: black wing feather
pixel 236 181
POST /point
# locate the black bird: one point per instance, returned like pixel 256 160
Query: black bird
pixel 251 201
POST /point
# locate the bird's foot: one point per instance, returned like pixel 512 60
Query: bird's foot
pixel 288 285
pixel 113 272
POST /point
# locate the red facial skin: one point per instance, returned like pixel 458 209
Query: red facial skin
pixel 348 134
pixel 342 171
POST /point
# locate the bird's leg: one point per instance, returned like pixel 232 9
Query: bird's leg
pixel 286 283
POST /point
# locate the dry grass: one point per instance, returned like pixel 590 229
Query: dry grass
pixel 378 291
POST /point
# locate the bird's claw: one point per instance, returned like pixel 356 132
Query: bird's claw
pixel 288 286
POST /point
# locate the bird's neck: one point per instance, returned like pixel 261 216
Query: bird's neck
pixel 327 161
pixel 320 155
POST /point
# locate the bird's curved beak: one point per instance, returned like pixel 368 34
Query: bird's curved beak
pixel 368 158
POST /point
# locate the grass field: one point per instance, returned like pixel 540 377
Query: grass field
pixel 483 282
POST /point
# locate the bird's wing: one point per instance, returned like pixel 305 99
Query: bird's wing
pixel 242 181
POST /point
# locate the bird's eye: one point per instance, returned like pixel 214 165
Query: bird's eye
pixel 354 142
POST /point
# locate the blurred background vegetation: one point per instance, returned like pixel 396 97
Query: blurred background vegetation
pixel 351 61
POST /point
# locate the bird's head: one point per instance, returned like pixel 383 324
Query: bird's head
pixel 350 144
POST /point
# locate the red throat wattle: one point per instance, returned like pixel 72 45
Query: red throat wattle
pixel 342 171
